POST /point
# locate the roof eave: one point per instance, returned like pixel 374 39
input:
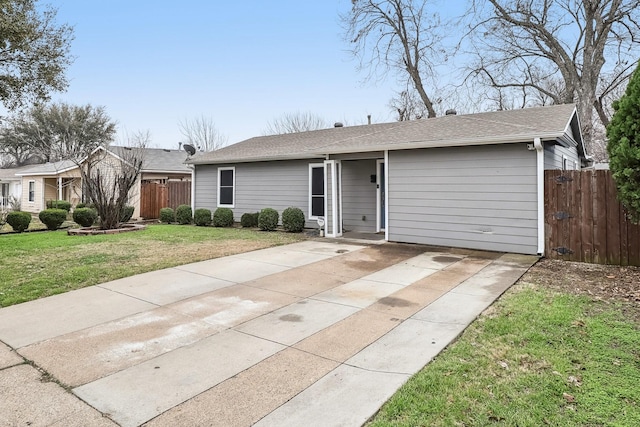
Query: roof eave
pixel 179 172
pixel 254 159
pixel 511 139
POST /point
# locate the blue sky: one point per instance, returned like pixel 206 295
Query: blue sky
pixel 242 63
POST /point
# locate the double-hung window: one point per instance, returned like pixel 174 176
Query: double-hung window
pixel 316 190
pixel 227 187
pixel 32 191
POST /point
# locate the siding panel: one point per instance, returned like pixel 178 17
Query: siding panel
pixel 260 185
pixel 474 197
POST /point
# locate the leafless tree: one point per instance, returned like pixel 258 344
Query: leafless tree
pixel 295 122
pixel 202 133
pixel 408 106
pixel 108 180
pixel 400 35
pixel 559 50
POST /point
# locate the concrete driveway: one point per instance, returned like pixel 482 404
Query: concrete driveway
pixel 313 333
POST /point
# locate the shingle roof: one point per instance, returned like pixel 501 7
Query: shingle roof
pixel 9 174
pixel 496 127
pixel 52 168
pixel 154 160
pixel 159 159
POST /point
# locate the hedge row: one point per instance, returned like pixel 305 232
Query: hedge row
pixel 267 219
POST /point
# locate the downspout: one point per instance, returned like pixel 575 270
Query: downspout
pixel 193 187
pixel 537 143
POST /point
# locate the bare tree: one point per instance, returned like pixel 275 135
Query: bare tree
pixel 295 122
pixel 108 180
pixel 202 133
pixel 400 35
pixel 408 106
pixel 557 50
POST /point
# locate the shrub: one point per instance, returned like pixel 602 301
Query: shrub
pixel 202 217
pixel 268 219
pixel 249 220
pixel 81 205
pixel 223 217
pixel 85 216
pixel 126 213
pixel 167 215
pixel 293 220
pixel 184 214
pixel 59 204
pixel 19 221
pixel 53 218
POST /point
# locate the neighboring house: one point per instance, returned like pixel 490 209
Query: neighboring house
pixel 62 180
pixel 10 185
pixel 471 181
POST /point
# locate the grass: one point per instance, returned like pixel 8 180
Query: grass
pixel 35 265
pixel 536 358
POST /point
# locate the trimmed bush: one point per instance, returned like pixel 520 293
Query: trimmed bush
pixel 202 217
pixel 126 213
pixel 293 220
pixel 167 215
pixel 85 217
pixel 19 221
pixel 184 214
pixel 249 220
pixel 53 218
pixel 81 205
pixel 223 217
pixel 59 204
pixel 268 219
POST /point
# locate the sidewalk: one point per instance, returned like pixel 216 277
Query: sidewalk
pixel 313 333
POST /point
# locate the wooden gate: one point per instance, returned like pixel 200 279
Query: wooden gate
pixel 584 220
pixel 154 196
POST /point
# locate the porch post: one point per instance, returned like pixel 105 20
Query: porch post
pixel 333 222
pixel 59 188
pixel 386 195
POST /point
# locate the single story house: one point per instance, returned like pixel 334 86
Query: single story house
pixel 471 181
pixel 62 180
pixel 10 185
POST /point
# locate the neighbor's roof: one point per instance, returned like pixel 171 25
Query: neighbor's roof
pixel 159 159
pixel 51 168
pixel 547 123
pixel 9 174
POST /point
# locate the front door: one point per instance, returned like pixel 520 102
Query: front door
pixel 381 202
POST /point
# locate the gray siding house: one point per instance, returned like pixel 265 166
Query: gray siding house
pixel 469 181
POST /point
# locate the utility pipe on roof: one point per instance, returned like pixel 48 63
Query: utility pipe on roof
pixel 537 143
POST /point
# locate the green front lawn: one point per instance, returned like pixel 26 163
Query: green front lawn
pixel 35 265
pixel 537 357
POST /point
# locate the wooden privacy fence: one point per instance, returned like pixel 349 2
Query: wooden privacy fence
pixel 154 196
pixel 585 222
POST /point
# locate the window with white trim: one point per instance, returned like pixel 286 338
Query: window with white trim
pixel 316 190
pixel 227 187
pixel 32 191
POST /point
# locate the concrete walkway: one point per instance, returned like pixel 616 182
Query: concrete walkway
pixel 313 333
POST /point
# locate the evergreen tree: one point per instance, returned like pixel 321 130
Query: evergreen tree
pixel 624 146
